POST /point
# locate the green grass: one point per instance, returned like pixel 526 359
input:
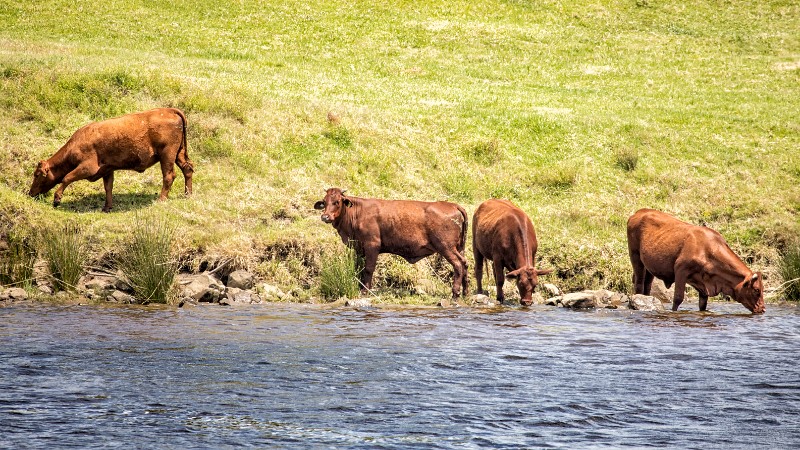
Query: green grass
pixel 66 252
pixel 339 274
pixel 17 257
pixel 146 260
pixel 580 113
pixel 790 272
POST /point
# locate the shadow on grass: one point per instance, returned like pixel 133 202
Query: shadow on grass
pixel 94 202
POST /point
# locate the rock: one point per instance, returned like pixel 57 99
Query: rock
pixel 646 303
pixel 202 287
pixel 236 296
pixel 359 303
pixel 241 279
pixel 271 293
pixel 97 282
pixel 121 282
pixel 552 290
pixel 187 301
pixel 481 299
pixel 553 301
pixel 16 293
pixel 4 297
pixel 579 300
pixel 45 289
pixel 659 291
pixel 537 299
pixel 610 299
pixel 121 297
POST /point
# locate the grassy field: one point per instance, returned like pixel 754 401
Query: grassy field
pixel 579 112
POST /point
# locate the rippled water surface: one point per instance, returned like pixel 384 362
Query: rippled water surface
pixel 308 377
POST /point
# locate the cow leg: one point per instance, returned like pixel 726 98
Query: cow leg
pixel 479 271
pixel 499 280
pixel 638 273
pixel 187 168
pixel 703 300
pixel 108 184
pixel 168 174
pixel 680 288
pixel 79 173
pixel 459 264
pixel 370 261
pixel 647 283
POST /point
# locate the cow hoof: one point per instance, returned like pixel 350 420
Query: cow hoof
pixel 56 203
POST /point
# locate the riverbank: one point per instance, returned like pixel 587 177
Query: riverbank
pixel 579 114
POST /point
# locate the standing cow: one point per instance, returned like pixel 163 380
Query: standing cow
pixel 677 252
pixel 503 233
pixel 130 142
pixel 410 229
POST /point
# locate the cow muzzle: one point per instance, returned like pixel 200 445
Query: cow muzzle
pixel 326 218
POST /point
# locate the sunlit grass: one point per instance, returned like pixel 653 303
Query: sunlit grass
pixel 339 273
pixel 65 250
pixel 146 259
pixel 581 113
pixel 16 261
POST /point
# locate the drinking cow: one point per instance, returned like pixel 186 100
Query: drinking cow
pixel 677 252
pixel 503 233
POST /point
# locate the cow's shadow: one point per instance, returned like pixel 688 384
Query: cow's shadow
pixel 94 202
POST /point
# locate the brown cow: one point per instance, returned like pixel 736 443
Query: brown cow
pixel 674 251
pixel 130 142
pixel 410 229
pixel 503 234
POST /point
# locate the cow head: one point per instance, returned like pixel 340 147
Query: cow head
pixel 43 179
pixel 333 205
pixel 750 293
pixel 527 279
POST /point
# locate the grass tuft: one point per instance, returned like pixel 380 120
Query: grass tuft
pixel 559 178
pixel 485 152
pixel 789 269
pixel 339 273
pixel 16 262
pixel 340 136
pixel 64 249
pixel 626 158
pixel 147 261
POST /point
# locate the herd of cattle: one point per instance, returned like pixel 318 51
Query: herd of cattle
pixel 659 245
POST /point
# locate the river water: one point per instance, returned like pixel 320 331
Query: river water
pixel 294 376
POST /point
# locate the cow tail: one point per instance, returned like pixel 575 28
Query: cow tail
pixel 183 152
pixel 463 242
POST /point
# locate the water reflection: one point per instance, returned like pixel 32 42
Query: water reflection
pixel 304 376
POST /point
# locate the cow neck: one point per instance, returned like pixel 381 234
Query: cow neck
pixel 59 162
pixel 525 259
pixel 349 216
pixel 732 268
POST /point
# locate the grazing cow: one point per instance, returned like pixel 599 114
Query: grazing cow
pixel 677 252
pixel 410 229
pixel 503 233
pixel 130 142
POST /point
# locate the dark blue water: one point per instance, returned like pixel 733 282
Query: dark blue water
pixel 287 376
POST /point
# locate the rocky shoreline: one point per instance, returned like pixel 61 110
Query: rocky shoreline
pixel 241 288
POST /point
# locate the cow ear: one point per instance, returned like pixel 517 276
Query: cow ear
pixel 43 167
pixel 347 202
pixel 512 275
pixel 543 271
pixel 319 205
